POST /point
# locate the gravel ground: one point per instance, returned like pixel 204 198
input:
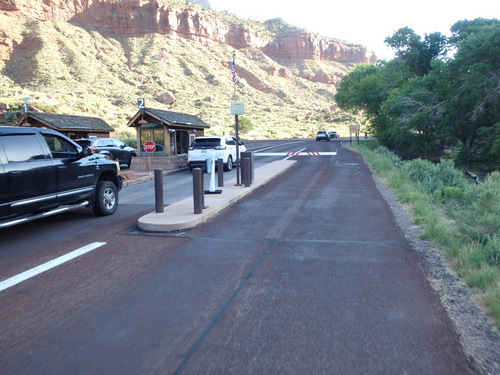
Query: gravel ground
pixel 480 341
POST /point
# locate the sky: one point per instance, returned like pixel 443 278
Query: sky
pixel 364 22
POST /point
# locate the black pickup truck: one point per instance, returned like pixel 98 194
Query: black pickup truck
pixel 42 173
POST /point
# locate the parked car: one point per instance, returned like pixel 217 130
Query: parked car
pixel 43 173
pixel 116 149
pixel 333 135
pixel 202 148
pixel 322 135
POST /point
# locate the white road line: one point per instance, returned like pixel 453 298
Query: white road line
pixel 47 266
pixel 335 154
pixel 274 146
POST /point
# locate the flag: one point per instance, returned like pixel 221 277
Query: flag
pixel 233 69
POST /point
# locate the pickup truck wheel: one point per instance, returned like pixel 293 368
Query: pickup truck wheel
pixel 229 165
pixel 106 198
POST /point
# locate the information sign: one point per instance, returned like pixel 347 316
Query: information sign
pixel 355 128
pixel 237 108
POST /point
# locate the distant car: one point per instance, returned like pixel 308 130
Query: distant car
pixel 112 147
pixel 333 135
pixel 203 148
pixel 322 135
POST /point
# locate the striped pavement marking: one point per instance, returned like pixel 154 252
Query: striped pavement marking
pixel 295 153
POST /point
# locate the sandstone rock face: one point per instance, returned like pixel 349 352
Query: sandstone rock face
pixel 10 4
pixel 135 18
pixel 307 45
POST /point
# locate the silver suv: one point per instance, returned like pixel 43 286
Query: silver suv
pixel 322 135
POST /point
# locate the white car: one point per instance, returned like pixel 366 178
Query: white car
pixel 203 148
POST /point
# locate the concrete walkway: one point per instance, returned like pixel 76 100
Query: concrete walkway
pixel 180 215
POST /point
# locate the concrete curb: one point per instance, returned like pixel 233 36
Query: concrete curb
pixel 180 215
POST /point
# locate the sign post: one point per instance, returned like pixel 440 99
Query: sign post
pixel 354 129
pixel 237 108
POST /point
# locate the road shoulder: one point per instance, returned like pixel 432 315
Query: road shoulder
pixel 480 341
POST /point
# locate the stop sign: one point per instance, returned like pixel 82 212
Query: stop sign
pixel 149 146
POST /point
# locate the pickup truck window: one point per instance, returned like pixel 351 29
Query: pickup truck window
pixel 22 148
pixel 59 147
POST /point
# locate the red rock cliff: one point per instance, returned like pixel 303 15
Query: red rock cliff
pixel 137 18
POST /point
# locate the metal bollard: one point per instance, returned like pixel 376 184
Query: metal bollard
pixel 159 190
pixel 220 172
pixel 197 190
pixel 246 172
pixel 247 154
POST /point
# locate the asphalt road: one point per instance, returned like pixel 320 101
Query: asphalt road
pixel 307 275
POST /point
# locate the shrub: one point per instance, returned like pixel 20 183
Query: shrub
pixel 449 176
pixel 212 79
pixel 383 160
pixel 485 210
pixel 9 115
pixel 434 177
pixel 438 195
pixel 385 152
pixel 482 278
pixel 245 125
pixel 493 299
pixel 453 192
pixel 425 173
pixel 132 142
pixel 372 144
pixel 492 250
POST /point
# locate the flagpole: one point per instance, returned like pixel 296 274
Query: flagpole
pixel 233 68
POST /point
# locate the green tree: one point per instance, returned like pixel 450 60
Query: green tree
pixel 417 53
pixel 361 90
pixel 463 29
pixel 491 148
pixel 473 109
pixel 415 110
pixel 422 100
pixel 366 87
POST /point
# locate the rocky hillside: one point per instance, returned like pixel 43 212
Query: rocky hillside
pixel 98 57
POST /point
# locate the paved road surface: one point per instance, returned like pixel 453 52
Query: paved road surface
pixel 308 275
